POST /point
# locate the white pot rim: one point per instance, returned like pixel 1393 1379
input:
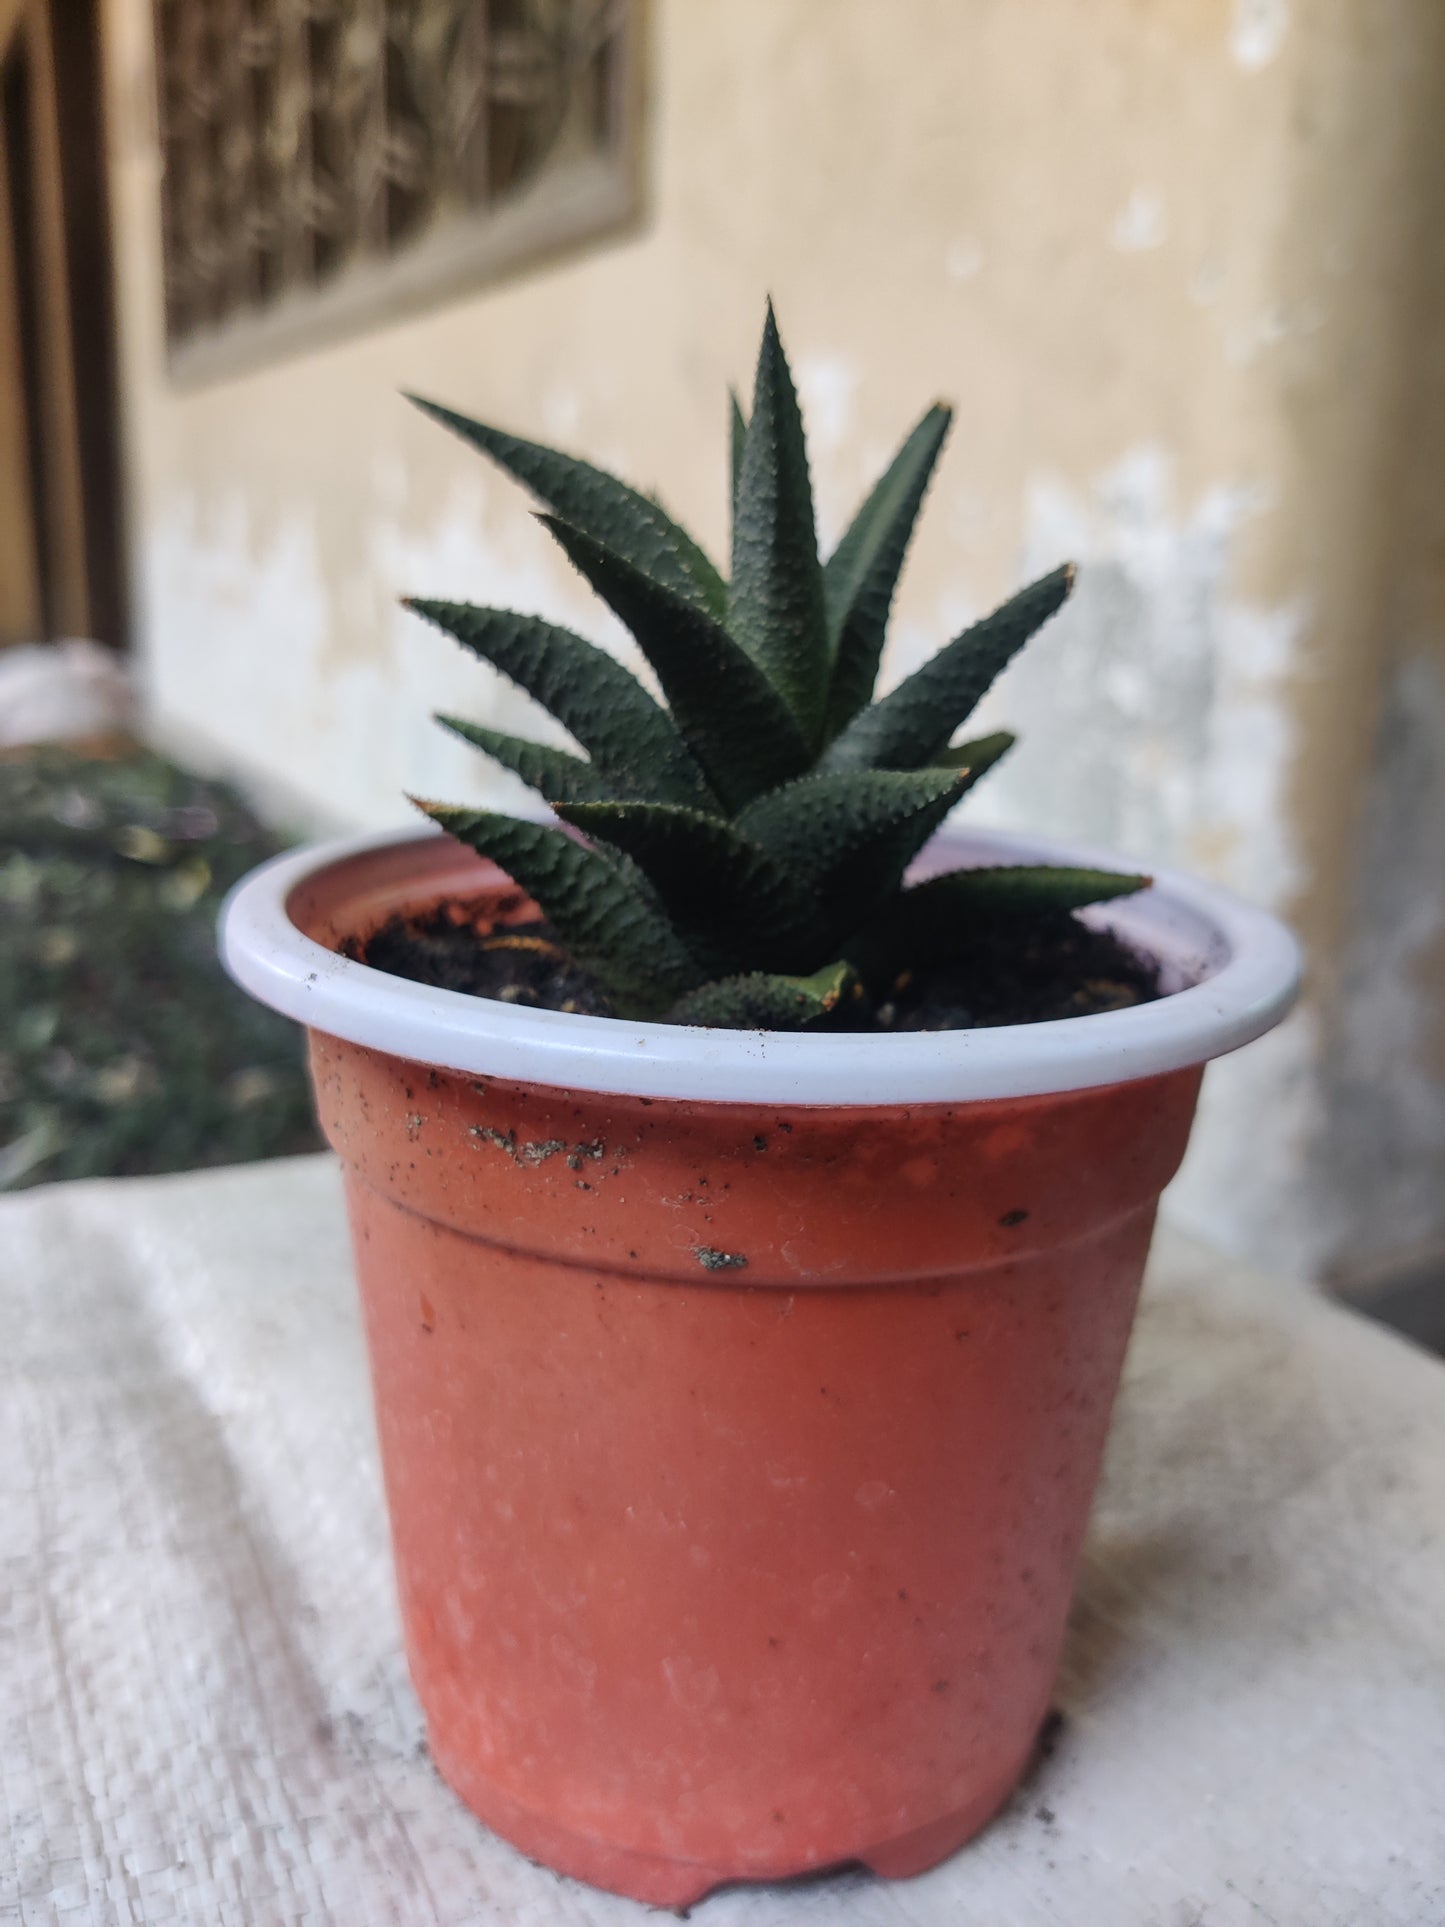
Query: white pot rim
pixel 1239 966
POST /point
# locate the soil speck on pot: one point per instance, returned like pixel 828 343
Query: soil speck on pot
pixel 532 1152
pixel 1012 1218
pixel 711 1260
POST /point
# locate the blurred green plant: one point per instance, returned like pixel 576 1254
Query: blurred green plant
pixel 124 1048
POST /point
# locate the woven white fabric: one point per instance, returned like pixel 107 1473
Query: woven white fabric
pixel 205 1716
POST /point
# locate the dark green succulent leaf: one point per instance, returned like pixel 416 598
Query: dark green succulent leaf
pixel 733 904
pixel 712 590
pixel 759 1001
pixel 604 910
pixel 977 756
pixel 1021 887
pixel 591 499
pixel 739 442
pixel 911 725
pixel 732 719
pixel 776 607
pixel 554 773
pixel 629 737
pixel 934 920
pixel 862 572
pixel 853 834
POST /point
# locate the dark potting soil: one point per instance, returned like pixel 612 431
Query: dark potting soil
pixel 1018 970
pixel 461 946
pixel 1023 970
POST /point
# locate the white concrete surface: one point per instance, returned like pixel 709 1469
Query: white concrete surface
pixel 204 1713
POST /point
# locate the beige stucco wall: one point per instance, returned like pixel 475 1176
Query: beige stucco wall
pixel 1167 258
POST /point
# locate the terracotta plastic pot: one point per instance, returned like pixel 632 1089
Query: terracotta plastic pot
pixel 741 1397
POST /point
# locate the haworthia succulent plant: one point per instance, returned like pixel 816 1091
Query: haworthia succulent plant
pixel 737 854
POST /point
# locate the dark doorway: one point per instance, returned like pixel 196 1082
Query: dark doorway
pixel 60 534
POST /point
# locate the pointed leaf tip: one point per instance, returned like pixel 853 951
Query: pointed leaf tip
pixel 861 574
pixel 591 694
pixel 911 725
pixel 776 605
pixel 762 1001
pixel 556 774
pixel 934 921
pixel 977 756
pixel 607 507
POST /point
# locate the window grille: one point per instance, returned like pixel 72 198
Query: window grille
pixel 326 162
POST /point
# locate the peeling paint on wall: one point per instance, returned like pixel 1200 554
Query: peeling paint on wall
pixel 1154 711
pixel 963 259
pixel 238 618
pixel 1141 223
pixel 351 728
pixel 1154 718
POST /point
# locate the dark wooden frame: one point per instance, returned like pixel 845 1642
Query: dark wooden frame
pixel 59 440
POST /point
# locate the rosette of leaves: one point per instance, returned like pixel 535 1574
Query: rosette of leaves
pixel 735 855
